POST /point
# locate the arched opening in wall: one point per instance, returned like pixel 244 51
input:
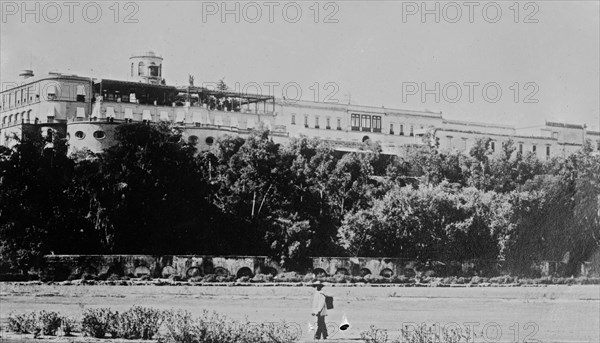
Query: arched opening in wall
pixel 245 271
pixel 167 271
pixel 115 269
pixel 141 271
pixel 60 273
pixel 220 271
pixel 193 140
pixel 364 272
pixel 387 273
pixel 79 135
pixel 209 140
pixel 99 134
pixel 153 70
pixel 193 272
pixel 366 139
pixel 342 271
pixel 319 272
pixel 90 270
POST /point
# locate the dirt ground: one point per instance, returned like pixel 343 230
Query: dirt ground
pixel 497 314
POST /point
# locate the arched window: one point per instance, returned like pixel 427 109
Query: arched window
pixel 141 71
pixel 132 64
pixel 28 116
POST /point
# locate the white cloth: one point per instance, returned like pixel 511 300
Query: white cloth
pixel 318 306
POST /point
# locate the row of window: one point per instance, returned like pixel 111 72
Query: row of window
pixel 17 118
pixel 359 122
pixel 27 95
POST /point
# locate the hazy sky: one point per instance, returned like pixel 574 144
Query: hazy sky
pixel 543 55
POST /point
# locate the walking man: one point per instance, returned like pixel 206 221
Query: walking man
pixel 319 309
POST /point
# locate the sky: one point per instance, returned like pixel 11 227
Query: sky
pixel 505 62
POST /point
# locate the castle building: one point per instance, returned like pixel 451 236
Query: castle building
pixel 86 112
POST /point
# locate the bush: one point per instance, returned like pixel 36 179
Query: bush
pixel 23 323
pixel 225 278
pixel 370 278
pixel 288 277
pixel 138 323
pixel 113 277
pixel 179 327
pixel 262 278
pixel 68 325
pixel 98 322
pixel 309 277
pixel 196 279
pixel 244 279
pixel 374 335
pixel 49 322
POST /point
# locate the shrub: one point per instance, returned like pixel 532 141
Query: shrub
pixel 68 325
pixel 49 322
pixel 374 335
pixel 475 280
pixel 138 323
pixel 179 327
pixel 225 278
pixel 23 323
pixel 288 277
pixel 370 278
pixel 98 322
pixel 400 279
pixel 309 277
pixel 87 277
pixel 262 278
pixel 113 277
pixel 243 279
pixel 196 279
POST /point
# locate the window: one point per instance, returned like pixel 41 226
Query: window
pixel 293 119
pixel 80 134
pixel 376 123
pixel 548 151
pixel 365 121
pixel 339 124
pixel 493 146
pixel 99 134
pixel 520 148
pixel 328 123
pixel 141 69
pixel 51 93
pixel 412 132
pixel 316 122
pixel 598 145
pixel 355 121
pixel 534 148
pixel 209 140
pixel 305 120
pixel 80 93
pixel 132 64
pixel 401 130
pixel 391 129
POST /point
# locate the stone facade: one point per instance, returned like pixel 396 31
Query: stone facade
pixel 87 110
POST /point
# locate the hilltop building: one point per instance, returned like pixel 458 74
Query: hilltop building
pixel 87 110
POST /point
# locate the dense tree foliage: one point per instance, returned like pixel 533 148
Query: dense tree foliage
pixel 154 193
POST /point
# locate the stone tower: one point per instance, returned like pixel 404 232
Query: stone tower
pixel 146 67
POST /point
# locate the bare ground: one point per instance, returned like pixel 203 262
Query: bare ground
pixel 497 314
